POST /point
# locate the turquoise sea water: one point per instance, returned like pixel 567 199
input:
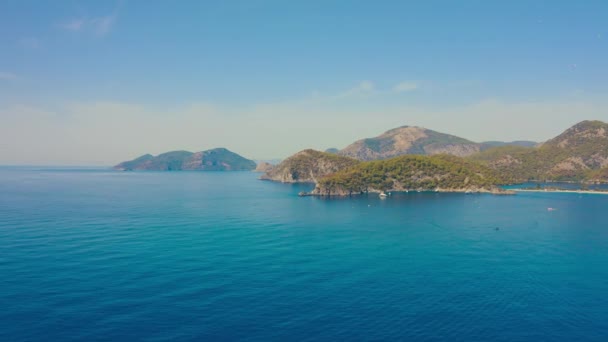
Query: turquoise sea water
pixel 100 255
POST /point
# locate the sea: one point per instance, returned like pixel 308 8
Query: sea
pixel 90 254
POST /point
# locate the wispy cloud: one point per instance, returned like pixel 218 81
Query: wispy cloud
pixel 367 89
pixel 103 25
pixel 364 88
pixel 74 24
pixel 405 86
pixel 7 76
pixel 97 25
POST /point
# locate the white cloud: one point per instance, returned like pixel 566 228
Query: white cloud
pixel 98 25
pixel 361 90
pixel 74 24
pixel 7 76
pixel 364 88
pixel 405 86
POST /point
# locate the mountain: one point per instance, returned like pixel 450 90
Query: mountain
pixel 579 153
pixel 409 140
pixel 217 159
pixel 332 150
pixel 443 173
pixel 307 167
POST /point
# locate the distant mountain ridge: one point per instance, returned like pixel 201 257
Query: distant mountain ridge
pixel 579 153
pixel 217 159
pixel 409 140
pixel 417 140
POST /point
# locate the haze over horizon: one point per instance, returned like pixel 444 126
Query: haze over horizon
pixel 96 83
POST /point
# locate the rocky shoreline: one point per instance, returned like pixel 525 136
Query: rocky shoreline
pixel 493 191
pixel 594 192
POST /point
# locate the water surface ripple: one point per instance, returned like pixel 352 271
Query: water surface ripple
pixel 101 255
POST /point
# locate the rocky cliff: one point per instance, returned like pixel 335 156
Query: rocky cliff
pixel 307 167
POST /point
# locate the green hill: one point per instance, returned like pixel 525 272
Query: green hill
pixel 412 172
pixel 600 175
pixel 574 155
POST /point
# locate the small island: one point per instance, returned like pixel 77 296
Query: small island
pixel 217 159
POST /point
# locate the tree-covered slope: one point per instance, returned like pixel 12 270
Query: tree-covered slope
pixel 573 155
pixel 411 172
pixel 600 175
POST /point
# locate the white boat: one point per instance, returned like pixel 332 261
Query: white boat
pixel 383 195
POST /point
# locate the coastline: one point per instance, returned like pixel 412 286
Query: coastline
pixel 496 191
pixel 591 192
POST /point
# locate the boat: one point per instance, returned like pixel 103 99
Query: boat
pixel 383 195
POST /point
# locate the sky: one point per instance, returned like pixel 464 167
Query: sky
pixel 99 82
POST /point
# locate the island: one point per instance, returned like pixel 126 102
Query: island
pixel 217 159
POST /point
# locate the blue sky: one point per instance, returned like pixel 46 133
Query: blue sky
pixel 92 82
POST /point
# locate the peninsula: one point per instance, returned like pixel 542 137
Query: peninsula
pixel 417 159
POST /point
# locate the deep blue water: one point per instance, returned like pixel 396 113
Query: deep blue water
pixel 101 255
